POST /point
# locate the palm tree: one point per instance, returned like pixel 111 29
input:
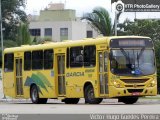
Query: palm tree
pixel 10 43
pixel 100 20
pixel 23 36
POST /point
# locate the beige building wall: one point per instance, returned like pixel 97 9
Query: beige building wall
pixel 95 33
pixel 56 6
pixel 76 30
pixel 55 17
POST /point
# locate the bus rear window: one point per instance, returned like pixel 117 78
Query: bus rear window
pixel 8 62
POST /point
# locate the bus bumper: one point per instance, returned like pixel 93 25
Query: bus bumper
pixel 120 92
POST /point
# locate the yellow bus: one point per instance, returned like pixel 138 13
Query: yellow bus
pixel 121 67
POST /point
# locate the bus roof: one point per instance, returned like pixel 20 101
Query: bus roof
pixel 117 37
pixel 67 43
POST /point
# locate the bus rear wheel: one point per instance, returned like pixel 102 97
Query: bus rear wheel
pixel 35 96
pixel 71 100
pixel 128 100
pixel 89 96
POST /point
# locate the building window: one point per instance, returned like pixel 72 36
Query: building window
pixel 35 32
pixel 48 32
pixel 89 34
pixel 64 34
pixel 37 60
pixel 27 61
pixel 8 62
pixel 76 56
pixel 48 59
pixel 64 31
pixel 90 56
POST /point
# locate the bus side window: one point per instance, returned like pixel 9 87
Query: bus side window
pixel 48 59
pixel 37 60
pixel 76 57
pixel 27 60
pixel 89 56
pixel 8 62
pixel 68 61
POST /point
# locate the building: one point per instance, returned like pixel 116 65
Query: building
pixel 59 24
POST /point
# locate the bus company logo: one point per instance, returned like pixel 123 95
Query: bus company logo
pixel 40 80
pixel 9 117
pixel 135 85
pixel 75 74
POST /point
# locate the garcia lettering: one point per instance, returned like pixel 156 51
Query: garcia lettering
pixel 75 74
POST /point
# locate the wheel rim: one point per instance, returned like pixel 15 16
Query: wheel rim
pixel 34 94
pixel 91 95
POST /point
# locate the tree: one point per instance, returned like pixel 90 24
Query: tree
pixel 23 36
pixel 100 20
pixel 41 40
pixel 12 15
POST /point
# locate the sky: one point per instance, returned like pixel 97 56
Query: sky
pixel 84 6
pixel 81 6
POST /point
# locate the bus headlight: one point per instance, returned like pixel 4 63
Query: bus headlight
pixel 152 83
pixel 117 84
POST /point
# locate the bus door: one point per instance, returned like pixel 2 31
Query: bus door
pixel 18 77
pixel 103 72
pixel 61 75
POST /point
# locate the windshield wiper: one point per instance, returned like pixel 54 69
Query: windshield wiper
pixel 141 52
pixel 125 54
pixel 138 57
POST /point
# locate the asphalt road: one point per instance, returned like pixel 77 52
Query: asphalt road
pixel 143 106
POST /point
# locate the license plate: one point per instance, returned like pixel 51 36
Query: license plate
pixel 135 93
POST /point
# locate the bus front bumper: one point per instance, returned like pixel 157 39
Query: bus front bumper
pixel 120 92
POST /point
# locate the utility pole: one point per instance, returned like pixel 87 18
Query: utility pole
pixel 119 7
pixel 1 27
pixel 115 27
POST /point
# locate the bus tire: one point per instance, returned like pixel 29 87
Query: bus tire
pixel 128 100
pixel 35 96
pixel 71 100
pixel 89 96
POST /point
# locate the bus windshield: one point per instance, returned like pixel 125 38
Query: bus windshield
pixel 132 61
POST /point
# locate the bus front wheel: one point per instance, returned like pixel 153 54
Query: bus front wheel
pixel 35 96
pixel 89 96
pixel 128 100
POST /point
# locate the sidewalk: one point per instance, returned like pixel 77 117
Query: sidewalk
pixel 1 90
pixel 151 97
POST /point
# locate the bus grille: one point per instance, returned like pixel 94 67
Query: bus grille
pixel 134 90
pixel 134 85
pixel 134 80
